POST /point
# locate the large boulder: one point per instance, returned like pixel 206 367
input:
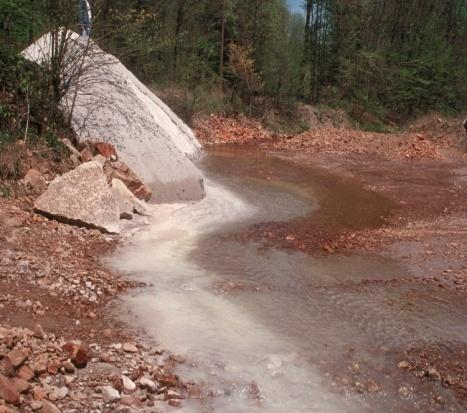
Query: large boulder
pixel 108 103
pixel 82 197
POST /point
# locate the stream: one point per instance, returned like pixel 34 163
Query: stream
pixel 270 330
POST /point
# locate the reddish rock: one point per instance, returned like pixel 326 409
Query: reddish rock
pixel 107 150
pixel 78 353
pixel 54 367
pixel 20 385
pixel 48 407
pixel 120 170
pixel 130 401
pixel 5 409
pixel 6 368
pixel 40 364
pixel 25 373
pixel 18 356
pixel 39 393
pixel 8 391
pixel 86 155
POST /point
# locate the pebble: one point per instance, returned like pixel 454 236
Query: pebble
pixel 110 394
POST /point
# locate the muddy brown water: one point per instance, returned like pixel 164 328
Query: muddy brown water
pixel 267 330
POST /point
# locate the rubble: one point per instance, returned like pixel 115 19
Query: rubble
pixel 82 196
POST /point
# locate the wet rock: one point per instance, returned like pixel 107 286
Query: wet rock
pixel 34 180
pixel 127 202
pixel 7 391
pixel 82 196
pixel 110 394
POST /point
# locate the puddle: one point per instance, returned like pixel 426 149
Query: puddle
pixel 262 327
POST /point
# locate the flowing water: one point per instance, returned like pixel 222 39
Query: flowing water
pixel 268 330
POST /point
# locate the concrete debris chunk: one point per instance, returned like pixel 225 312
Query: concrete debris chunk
pixel 82 197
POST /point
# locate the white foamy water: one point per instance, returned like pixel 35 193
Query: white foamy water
pixel 230 346
pixel 247 317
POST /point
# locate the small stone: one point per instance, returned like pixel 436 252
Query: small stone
pixel 148 384
pixel 40 365
pixel 62 392
pixel 35 405
pixel 7 391
pixel 39 393
pixel 128 385
pixel 18 357
pixel 130 401
pixel 54 367
pixel 6 368
pixel 403 365
pixel 130 348
pixel 175 403
pixel 68 366
pixel 26 373
pixel 20 385
pixel 172 394
pixel 434 374
pixel 69 380
pixel 110 394
pixel 38 331
pixel 404 391
pixel 48 407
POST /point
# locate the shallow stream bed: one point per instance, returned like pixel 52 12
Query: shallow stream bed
pixel 278 331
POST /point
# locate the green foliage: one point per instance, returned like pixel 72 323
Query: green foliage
pixel 5 192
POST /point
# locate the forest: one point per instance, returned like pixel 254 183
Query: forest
pixel 392 59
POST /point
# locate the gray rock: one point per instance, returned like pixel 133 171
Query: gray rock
pixel 110 394
pixel 82 197
pixel 128 385
pixel 127 202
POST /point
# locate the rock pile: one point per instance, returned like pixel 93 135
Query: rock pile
pixel 42 372
pixel 96 194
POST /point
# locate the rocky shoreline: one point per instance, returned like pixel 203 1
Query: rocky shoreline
pixel 61 348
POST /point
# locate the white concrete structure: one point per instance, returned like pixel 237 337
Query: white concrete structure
pixel 108 103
